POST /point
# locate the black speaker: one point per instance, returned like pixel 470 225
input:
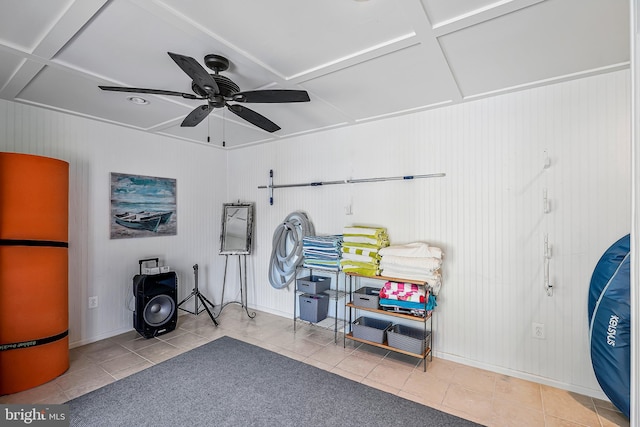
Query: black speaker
pixel 156 310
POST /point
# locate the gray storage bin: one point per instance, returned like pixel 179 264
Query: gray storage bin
pixel 313 308
pixel 367 328
pixel 313 284
pixel 407 339
pixel 367 297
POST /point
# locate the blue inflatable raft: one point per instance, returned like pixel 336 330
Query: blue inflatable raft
pixel 610 323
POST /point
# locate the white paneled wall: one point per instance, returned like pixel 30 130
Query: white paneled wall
pixel 634 416
pixel 103 267
pixel 487 214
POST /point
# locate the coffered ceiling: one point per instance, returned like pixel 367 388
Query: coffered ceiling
pixel 358 60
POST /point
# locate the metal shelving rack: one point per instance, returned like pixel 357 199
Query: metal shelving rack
pixel 334 294
pixel 427 319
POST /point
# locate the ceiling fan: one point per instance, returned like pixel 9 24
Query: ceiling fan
pixel 218 90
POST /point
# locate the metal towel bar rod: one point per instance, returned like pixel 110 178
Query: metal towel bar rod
pixel 271 186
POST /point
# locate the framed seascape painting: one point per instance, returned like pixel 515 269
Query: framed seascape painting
pixel 143 206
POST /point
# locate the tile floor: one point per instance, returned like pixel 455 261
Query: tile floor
pixel 481 396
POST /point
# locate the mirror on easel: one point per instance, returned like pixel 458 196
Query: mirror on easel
pixel 235 239
pixel 237 229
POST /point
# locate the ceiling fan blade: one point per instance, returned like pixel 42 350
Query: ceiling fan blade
pixel 196 116
pixel 197 73
pixel 272 96
pixel 253 117
pixel 151 91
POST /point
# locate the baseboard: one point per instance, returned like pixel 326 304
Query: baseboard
pixel 100 337
pixel 107 335
pixel 271 311
pixel 598 394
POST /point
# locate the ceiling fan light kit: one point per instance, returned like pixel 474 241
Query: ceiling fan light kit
pixel 218 91
pixel 137 100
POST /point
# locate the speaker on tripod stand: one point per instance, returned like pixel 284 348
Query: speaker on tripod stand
pixel 156 311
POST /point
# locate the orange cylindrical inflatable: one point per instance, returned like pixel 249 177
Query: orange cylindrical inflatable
pixel 34 307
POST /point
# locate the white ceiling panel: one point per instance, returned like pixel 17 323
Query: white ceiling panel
pixel 404 80
pixel 298 36
pixel 9 63
pixel 138 55
pixel 29 21
pixel 126 44
pixel 440 11
pixel 359 60
pixel 71 92
pixel 539 43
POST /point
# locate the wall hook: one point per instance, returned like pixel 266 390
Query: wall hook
pixel 546 205
pixel 548 287
pixel 547 161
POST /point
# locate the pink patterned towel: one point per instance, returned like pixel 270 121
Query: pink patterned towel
pixel 403 292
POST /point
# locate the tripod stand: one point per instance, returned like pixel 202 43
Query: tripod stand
pixel 198 297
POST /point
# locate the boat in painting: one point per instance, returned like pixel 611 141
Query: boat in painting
pixel 143 220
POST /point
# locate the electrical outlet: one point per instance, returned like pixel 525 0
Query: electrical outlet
pixel 93 302
pixel 537 330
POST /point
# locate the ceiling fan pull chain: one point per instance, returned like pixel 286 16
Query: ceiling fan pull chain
pixel 223 129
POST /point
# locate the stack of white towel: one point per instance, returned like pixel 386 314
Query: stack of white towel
pixel 360 248
pixel 413 261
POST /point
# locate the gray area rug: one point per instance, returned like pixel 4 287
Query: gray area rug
pixel 231 383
